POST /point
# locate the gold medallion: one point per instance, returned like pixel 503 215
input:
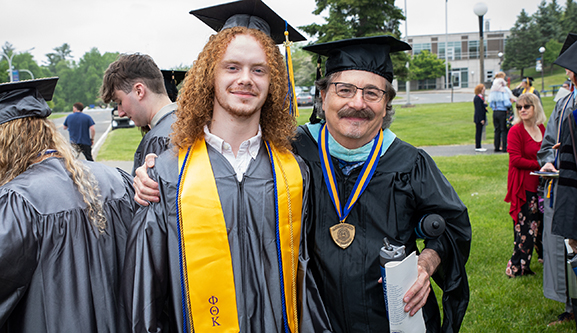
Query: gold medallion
pixel 343 234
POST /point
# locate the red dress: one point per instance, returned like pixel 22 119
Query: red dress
pixel 522 151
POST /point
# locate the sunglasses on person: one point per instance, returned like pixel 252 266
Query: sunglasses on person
pixel 526 107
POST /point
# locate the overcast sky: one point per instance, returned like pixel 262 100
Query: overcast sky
pixel 165 30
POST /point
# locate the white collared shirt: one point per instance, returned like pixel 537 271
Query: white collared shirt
pixel 247 151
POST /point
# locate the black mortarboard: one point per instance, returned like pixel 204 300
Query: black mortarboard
pixel 528 78
pixel 569 40
pixel 568 55
pixel 248 13
pixel 26 99
pixel 367 54
pixel 171 79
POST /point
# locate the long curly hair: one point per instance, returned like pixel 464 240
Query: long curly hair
pixel 196 102
pixel 21 141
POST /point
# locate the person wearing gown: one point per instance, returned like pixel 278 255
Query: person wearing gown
pixel 135 82
pixel 63 225
pixel 223 247
pixel 405 185
pixel 554 253
pixel 355 105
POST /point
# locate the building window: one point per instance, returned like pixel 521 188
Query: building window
pixel 474 49
pixel 454 51
pixel 427 84
pixel 419 47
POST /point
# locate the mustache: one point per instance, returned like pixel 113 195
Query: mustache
pixel 347 112
pixel 249 91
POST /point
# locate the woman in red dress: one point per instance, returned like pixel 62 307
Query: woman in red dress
pixel 524 140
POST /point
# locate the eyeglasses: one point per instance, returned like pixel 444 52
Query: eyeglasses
pixel 526 107
pixel 347 90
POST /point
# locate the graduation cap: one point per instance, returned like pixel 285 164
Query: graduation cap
pixel 26 99
pixel 568 55
pixel 528 78
pixel 172 78
pixel 370 54
pixel 253 14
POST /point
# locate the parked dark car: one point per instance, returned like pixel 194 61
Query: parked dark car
pixel 304 98
pixel 120 122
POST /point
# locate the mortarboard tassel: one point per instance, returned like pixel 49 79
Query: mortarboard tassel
pixel 293 107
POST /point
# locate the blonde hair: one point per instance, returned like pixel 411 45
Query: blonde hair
pixel 500 75
pixel 531 99
pixel 21 142
pixel 196 102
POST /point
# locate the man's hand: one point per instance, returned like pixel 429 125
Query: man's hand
pixel 146 189
pixel 417 295
pixel 573 244
pixel 548 167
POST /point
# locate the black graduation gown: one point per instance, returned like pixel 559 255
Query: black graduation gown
pixel 156 141
pixel 406 185
pixel 57 273
pixel 565 216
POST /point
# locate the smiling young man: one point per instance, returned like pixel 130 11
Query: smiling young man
pixel 221 250
pixel 396 184
pixel 137 85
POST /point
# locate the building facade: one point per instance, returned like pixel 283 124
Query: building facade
pixel 462 53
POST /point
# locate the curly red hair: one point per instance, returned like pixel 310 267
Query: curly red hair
pixel 196 103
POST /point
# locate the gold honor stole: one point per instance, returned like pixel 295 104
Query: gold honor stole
pixel 207 280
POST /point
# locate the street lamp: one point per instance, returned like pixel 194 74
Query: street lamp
pixel 480 10
pixel 542 50
pixel 9 64
pixel 500 55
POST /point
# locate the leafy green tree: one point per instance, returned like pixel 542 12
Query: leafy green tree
pixel 552 49
pixel 25 62
pixel 426 65
pixel 523 44
pixel 568 19
pixel 303 67
pixel 61 53
pixel 547 20
pixel 359 18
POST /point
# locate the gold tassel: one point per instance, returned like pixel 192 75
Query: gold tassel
pixel 287 45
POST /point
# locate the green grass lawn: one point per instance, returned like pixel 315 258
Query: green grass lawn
pixel 120 145
pixel 498 304
pixel 57 115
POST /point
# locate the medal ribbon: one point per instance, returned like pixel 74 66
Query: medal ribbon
pixel 363 180
pixel 207 279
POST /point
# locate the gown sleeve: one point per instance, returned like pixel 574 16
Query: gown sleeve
pixel 434 194
pixel 313 316
pixel 145 276
pixel 18 250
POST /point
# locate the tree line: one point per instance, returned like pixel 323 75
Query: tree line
pixel 547 28
pixel 80 81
